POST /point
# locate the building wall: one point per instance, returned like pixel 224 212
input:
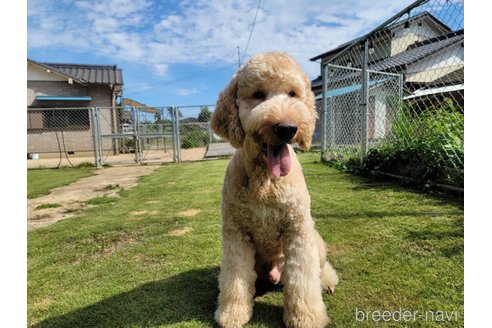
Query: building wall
pixel 49 141
pixel 37 73
pixel 402 38
pixel 101 94
pixel 438 65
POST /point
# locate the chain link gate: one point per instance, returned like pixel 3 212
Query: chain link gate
pixel 352 124
pixel 154 135
pixel 142 135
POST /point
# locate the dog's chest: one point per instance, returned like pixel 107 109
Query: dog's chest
pixel 265 225
pixel 267 217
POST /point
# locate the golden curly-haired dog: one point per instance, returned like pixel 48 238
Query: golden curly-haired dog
pixel 267 229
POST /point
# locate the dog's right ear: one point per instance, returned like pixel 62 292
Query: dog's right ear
pixel 225 119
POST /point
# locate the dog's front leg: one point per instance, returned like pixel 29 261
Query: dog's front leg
pixel 236 280
pixel 303 303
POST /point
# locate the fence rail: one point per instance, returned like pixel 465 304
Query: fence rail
pixel 392 101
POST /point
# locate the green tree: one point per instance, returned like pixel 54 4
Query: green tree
pixel 205 114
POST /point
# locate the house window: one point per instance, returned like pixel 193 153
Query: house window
pixel 59 119
pixel 66 119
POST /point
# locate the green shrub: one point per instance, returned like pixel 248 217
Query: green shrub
pixel 427 147
pixel 195 139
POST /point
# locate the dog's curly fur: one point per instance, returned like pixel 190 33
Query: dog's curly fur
pixel 266 214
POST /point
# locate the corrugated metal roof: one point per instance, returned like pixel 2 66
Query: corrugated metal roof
pixel 85 73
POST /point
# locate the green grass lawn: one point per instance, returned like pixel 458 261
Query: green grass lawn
pixel 151 258
pixel 41 181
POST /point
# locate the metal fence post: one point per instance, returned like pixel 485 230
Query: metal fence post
pixel 363 103
pixel 99 133
pixel 97 124
pixel 210 133
pixel 95 137
pixel 330 114
pixel 136 136
pixel 175 126
pixel 178 141
pixel 324 121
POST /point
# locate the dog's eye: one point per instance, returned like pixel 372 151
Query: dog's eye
pixel 292 94
pixel 260 95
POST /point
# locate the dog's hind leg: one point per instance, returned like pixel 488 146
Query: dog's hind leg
pixel 329 277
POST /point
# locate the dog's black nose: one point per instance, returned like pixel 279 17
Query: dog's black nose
pixel 285 131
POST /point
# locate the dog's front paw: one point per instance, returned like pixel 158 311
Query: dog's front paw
pixel 233 315
pixel 306 318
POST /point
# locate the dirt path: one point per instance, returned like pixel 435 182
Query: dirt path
pixel 72 198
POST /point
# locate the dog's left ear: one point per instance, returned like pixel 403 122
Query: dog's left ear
pixel 311 105
pixel 225 119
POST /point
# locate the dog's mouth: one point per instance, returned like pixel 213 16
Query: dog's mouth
pixel 278 159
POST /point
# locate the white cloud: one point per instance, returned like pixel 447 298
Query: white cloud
pixel 184 92
pixel 161 69
pixel 203 32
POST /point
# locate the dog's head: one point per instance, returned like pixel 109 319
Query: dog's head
pixel 270 101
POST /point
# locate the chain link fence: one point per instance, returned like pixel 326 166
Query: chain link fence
pixel 59 137
pixel 101 136
pixel 392 101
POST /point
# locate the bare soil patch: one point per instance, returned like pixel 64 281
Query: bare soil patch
pixel 189 213
pixel 140 215
pixel 72 198
pixel 179 232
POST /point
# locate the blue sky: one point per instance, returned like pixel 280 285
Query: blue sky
pixel 185 52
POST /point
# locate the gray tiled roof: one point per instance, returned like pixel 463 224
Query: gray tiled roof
pixel 90 74
pixel 414 53
pixel 417 52
pixel 390 27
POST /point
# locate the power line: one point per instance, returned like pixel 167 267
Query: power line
pixel 191 76
pixel 251 32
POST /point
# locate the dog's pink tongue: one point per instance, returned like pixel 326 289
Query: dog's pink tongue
pixel 278 160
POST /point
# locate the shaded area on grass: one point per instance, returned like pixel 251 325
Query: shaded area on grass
pixel 188 296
